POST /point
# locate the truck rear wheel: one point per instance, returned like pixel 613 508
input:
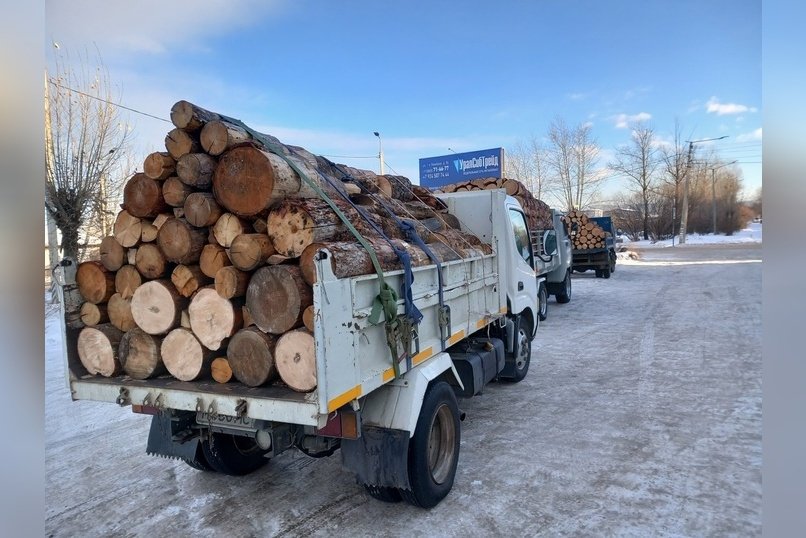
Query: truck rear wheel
pixel 564 295
pixel 434 449
pixel 606 271
pixel 199 462
pixel 543 302
pixel 384 493
pixel 233 455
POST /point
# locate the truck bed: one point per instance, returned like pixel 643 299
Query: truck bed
pixel 352 356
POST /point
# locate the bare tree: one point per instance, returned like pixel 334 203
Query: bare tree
pixel 572 157
pixel 638 162
pixel 527 162
pixel 87 141
pixel 674 171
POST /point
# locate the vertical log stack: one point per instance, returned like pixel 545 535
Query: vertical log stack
pixel 585 234
pixel 208 273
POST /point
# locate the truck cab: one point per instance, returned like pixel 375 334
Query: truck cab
pixel 552 263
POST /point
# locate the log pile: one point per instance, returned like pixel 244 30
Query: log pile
pixel 585 234
pixel 209 270
pixel 538 213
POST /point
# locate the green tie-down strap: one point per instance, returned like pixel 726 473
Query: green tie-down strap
pixel 386 300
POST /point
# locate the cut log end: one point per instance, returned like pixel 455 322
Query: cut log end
pixel 98 349
pixel 296 360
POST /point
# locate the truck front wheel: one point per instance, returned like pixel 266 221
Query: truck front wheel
pixel 434 449
pixel 564 295
pixel 543 302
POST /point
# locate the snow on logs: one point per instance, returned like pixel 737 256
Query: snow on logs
pixel 208 270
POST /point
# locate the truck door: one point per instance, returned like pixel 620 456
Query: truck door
pixel 522 288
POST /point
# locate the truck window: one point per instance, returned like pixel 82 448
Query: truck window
pixel 521 231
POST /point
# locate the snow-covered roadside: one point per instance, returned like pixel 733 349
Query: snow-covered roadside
pixel 750 234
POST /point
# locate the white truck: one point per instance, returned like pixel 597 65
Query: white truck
pixel 399 434
pixel 552 263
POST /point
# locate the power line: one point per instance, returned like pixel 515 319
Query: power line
pixel 108 102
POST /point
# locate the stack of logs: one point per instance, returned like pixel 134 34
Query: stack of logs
pixel 584 233
pixel 210 267
pixel 538 213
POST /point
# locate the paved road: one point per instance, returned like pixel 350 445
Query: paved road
pixel 641 415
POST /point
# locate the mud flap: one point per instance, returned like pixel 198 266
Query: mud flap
pixel 379 457
pixel 172 437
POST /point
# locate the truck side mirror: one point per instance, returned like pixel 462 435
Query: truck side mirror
pixel 549 243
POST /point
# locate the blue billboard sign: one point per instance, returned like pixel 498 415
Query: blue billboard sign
pixel 438 171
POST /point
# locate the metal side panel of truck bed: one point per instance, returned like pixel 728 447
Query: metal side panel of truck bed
pixel 352 355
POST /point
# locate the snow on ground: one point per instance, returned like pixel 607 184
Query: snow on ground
pixel 750 234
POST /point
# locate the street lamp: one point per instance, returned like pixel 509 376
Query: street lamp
pixel 713 193
pixel 684 211
pixel 380 149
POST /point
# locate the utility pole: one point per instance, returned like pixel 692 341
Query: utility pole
pixel 684 210
pixel 380 149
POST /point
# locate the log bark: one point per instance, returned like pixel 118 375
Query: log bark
pixel 139 354
pixel 231 282
pixel 188 278
pixel 221 370
pixel 127 279
pixel 295 356
pixel 201 209
pixel 113 255
pixel 260 225
pixel 95 283
pixel 190 117
pixel 277 296
pixel 213 319
pixel 180 242
pixel 131 256
pixel 249 180
pixel 120 313
pixel 93 314
pixel 150 261
pixel 159 165
pixel 174 192
pixel 157 306
pixel 127 229
pixel 295 224
pixel 142 197
pixel 213 258
pixel 179 142
pixel 98 349
pixel 251 356
pixel 184 356
pixel 350 258
pixel 250 251
pixel 218 136
pixel 228 227
pixel 196 170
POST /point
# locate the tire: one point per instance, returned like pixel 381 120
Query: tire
pixel 598 273
pixel 564 295
pixel 434 449
pixel 523 353
pixel 233 455
pixel 543 302
pixel 384 493
pixel 199 463
pixel 606 272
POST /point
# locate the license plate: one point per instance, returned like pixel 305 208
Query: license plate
pixel 225 421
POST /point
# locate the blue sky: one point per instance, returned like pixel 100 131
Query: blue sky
pixel 433 75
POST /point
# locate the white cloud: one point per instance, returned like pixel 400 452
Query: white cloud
pixel 150 26
pixel 752 136
pixel 713 106
pixel 623 121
